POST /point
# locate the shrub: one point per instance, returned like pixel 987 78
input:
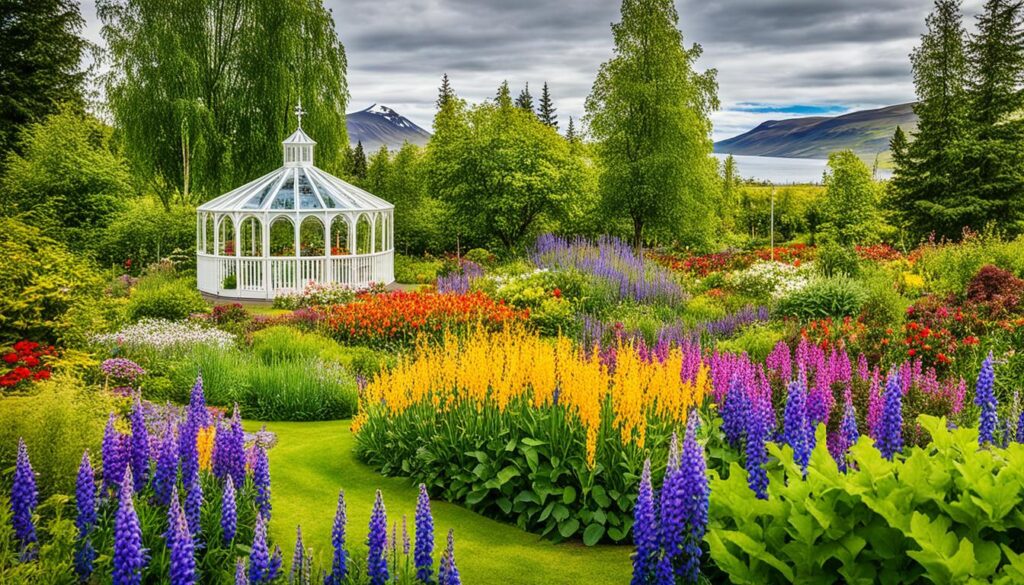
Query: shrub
pixel 283 343
pixel 316 294
pixel 58 422
pixel 410 270
pixel 996 288
pixel 832 297
pixel 836 260
pixel 162 297
pixel 481 257
pixel 757 342
pixel 157 343
pixel 947 513
pixel 145 232
pixel 766 279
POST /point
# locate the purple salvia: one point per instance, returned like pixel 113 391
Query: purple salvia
pixel 129 557
pixel 376 563
pixel 645 531
pixel 139 446
pixel 228 511
pixel 423 553
pixel 85 520
pixel 339 565
pixel 890 430
pixel 23 504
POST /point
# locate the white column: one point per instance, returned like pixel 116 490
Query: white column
pixel 328 277
pixel 352 234
pixel 265 261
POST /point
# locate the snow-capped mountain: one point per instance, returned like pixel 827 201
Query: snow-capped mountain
pixel 378 124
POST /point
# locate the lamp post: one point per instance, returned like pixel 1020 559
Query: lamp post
pixel 771 241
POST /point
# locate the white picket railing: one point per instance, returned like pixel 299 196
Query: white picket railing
pixel 267 277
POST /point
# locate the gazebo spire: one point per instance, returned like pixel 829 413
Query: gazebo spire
pixel 298 148
pixel 299 112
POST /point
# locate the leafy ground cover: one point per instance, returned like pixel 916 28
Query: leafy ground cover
pixel 312 461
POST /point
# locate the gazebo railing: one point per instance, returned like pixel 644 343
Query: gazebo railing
pixel 267 277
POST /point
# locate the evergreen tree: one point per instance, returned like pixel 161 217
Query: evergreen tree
pixel 547 108
pixel 730 195
pixel 40 53
pixel 992 182
pixel 525 100
pixel 359 161
pixel 378 172
pixel 504 96
pixel 898 147
pixel 924 189
pixel 650 114
pixel 445 93
pixel 570 131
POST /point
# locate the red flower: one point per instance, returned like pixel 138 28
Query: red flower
pixel 42 375
pixel 557 293
pixel 11 358
pixel 911 352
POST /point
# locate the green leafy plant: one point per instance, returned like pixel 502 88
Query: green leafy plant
pixel 230 282
pixel 948 513
pixel 164 297
pixel 830 297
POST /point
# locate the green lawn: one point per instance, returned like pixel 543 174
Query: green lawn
pixel 312 461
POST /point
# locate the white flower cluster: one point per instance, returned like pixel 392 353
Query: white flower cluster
pixel 161 334
pixel 772 279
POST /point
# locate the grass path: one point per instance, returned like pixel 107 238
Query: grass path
pixel 312 461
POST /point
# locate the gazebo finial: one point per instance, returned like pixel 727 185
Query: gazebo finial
pixel 299 112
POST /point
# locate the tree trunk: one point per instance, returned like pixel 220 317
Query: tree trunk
pixel 638 235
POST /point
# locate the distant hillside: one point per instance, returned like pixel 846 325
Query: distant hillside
pixel 866 132
pixel 377 125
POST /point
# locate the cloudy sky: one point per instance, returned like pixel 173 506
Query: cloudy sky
pixel 775 58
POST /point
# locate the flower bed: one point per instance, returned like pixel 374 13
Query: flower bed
pixel 24 364
pixel 395 319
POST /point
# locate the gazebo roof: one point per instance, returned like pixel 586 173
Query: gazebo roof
pixel 296 186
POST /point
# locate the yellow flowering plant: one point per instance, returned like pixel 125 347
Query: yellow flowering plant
pixel 528 429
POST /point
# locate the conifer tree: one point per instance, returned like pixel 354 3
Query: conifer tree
pixel 546 112
pixel 445 93
pixel 525 100
pixel 924 189
pixel 359 161
pixel 570 131
pixel 504 96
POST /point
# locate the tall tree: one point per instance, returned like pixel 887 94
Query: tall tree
pixel 849 209
pixel 40 54
pixel 504 96
pixel 993 158
pixel 445 93
pixel 650 114
pixel 570 131
pixel 924 187
pixel 359 166
pixel 729 201
pixel 525 100
pixel 203 90
pixel 378 172
pixel 546 113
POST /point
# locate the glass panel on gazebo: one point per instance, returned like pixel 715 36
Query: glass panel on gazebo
pixel 256 201
pixel 307 198
pixel 286 196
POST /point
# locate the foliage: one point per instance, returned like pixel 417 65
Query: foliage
pixel 204 104
pixel 145 232
pixel 68 178
pixel 410 270
pixel 46 292
pixel 757 342
pixel 849 207
pixel 837 260
pixel 949 268
pixel 24 364
pixel 164 297
pixel 503 171
pixel 828 297
pixel 942 514
pixel 649 112
pixel 396 319
pixel 996 288
pixel 41 54
pixel 58 421
pixel 526 430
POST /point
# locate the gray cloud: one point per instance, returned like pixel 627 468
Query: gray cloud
pixel 848 53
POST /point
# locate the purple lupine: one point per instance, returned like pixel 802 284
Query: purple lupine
pixel 376 561
pixel 23 504
pixel 875 404
pixel 406 544
pixel 449 571
pixel 197 405
pixel 890 427
pixel 298 558
pixel 645 531
pixel 393 548
pixel 240 577
pixel 188 450
pixel 115 460
pixel 139 442
pixel 85 520
pixel 735 409
pixel 166 475
pixel 180 545
pixel 423 553
pixel 339 566
pixel 1020 428
pixel 684 512
pixel 236 448
pixel 275 563
pixel 848 432
pixel 780 361
pixel 795 425
pixel 261 479
pixel 193 506
pixel 219 458
pixel 259 555
pixel 756 452
pixel 129 557
pixel 985 398
pixel 228 512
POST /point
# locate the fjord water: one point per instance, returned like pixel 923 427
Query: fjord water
pixel 784 171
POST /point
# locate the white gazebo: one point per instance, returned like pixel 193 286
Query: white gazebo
pixel 292 226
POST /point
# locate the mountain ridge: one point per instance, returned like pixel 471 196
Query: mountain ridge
pixel 380 125
pixel 866 132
